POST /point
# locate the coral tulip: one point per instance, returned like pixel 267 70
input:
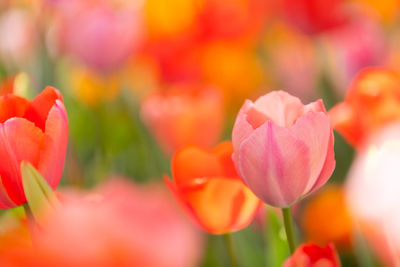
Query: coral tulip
pixel 207 185
pixel 311 255
pixel 35 131
pixel 118 224
pixel 184 116
pixel 283 150
pixel 326 218
pixel 372 101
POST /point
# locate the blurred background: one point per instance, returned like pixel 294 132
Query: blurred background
pixel 143 78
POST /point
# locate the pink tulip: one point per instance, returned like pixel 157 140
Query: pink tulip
pixel 283 150
pixel 118 224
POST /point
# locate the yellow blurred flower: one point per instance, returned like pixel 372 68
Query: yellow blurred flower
pixel 166 18
pixel 92 88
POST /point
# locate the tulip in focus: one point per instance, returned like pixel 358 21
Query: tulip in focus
pixel 207 185
pixel 283 150
pixel 311 255
pixel 35 131
pixel 119 224
pixel 184 116
pixel 372 101
pixel 326 218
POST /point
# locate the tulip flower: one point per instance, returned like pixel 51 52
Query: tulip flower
pixel 102 36
pixel 34 131
pixel 372 192
pixel 326 218
pixel 208 187
pixel 117 224
pixel 357 44
pixel 372 101
pixel 184 116
pixel 314 16
pixel 283 150
pixel 311 255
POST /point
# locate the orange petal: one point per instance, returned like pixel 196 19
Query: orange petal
pixel 12 106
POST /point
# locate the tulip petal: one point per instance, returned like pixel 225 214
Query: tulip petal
pixel 19 140
pixel 279 106
pixel 275 164
pixel 316 106
pixel 52 154
pixel 5 201
pixel 329 166
pixel 314 130
pixel 241 130
pixel 39 108
pixel 193 166
pixel 12 106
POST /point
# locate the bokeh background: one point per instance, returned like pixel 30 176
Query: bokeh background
pixel 143 78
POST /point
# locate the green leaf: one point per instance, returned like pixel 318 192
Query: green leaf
pixel 39 195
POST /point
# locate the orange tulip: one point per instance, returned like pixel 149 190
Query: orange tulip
pixel 326 219
pixel 7 86
pixel 372 101
pixel 183 116
pixel 210 190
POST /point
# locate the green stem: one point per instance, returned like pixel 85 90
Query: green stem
pixel 231 252
pixel 288 221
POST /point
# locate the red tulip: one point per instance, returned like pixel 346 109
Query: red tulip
pixel 311 255
pixel 207 185
pixel 283 149
pixel 35 131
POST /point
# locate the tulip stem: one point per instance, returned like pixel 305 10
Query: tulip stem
pixel 31 220
pixel 231 252
pixel 288 222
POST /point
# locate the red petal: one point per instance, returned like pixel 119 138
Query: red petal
pixel 19 140
pixel 12 106
pixel 52 153
pixel 39 108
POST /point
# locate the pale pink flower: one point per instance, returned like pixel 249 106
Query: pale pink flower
pixel 283 150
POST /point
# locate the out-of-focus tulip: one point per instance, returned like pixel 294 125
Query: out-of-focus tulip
pixel 372 101
pixel 163 21
pixel 17 32
pixel 326 219
pixel 117 225
pixel 233 67
pixel 387 11
pixel 232 19
pixel 314 16
pixel 35 131
pixel 7 86
pixel 184 116
pixel 102 35
pixel 283 150
pixel 311 255
pixel 292 60
pixel 92 88
pixel 207 185
pixel 373 189
pixel 357 44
